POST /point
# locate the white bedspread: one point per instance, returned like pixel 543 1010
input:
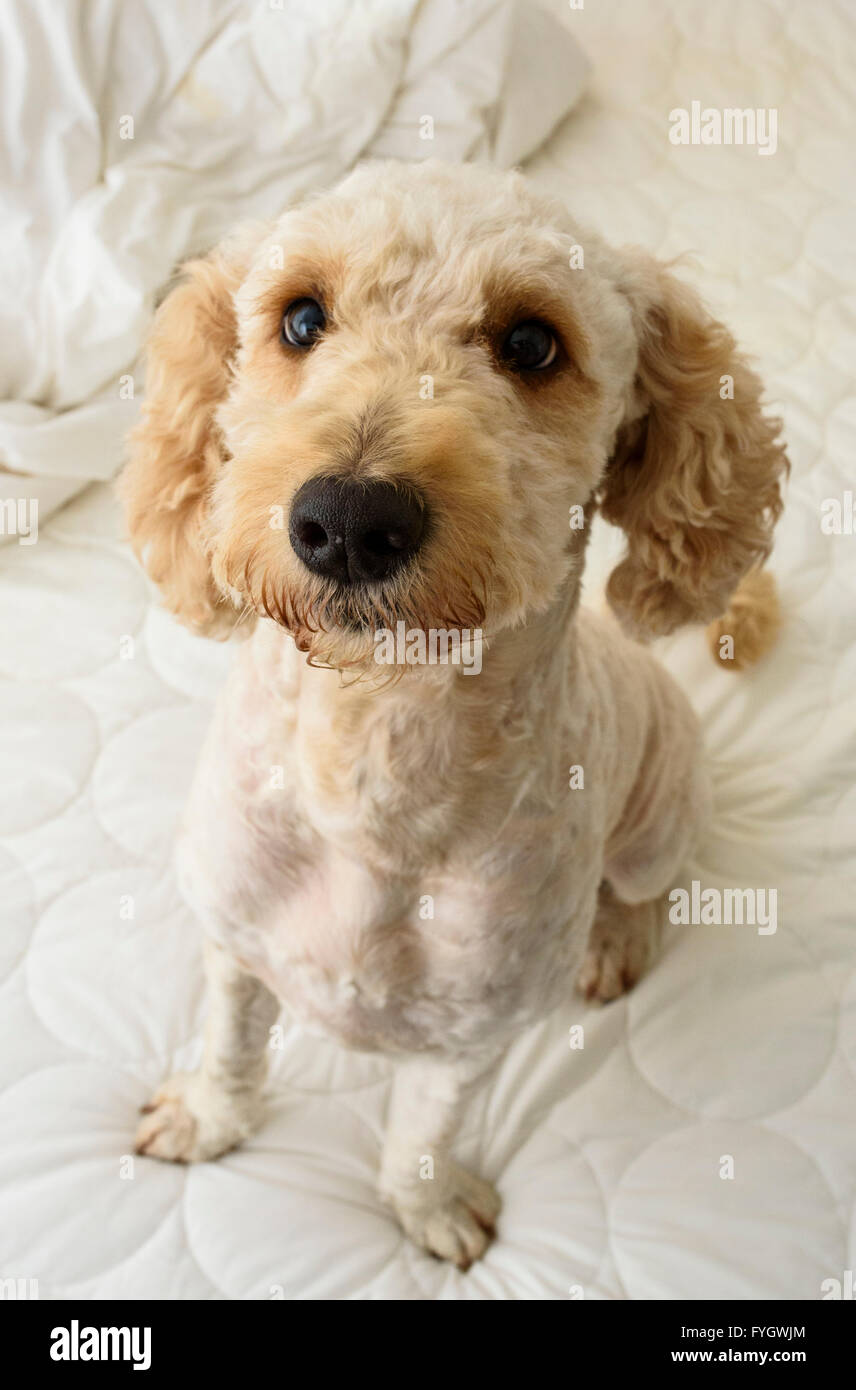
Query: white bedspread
pixel 609 1158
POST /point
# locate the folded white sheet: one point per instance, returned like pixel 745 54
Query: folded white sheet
pixel 611 1159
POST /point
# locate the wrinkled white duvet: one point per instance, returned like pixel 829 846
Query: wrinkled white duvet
pixel 134 134
pixel 612 1159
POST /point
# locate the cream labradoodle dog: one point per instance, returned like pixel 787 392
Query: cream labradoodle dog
pixel 395 404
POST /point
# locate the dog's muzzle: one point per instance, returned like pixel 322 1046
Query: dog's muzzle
pixel 355 531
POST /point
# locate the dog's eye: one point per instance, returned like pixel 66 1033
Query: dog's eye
pixel 302 323
pixel 530 346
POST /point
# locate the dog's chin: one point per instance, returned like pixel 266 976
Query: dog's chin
pixel 340 631
pixel 360 648
pixel 348 628
pixel 344 649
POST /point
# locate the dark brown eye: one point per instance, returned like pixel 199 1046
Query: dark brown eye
pixel 530 346
pixel 302 323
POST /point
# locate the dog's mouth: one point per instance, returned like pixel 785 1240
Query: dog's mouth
pixel 338 624
pixel 375 631
pixel 366 608
pixel 349 625
pixel 358 623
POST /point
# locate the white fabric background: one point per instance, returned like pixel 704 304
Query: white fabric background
pixel 607 1159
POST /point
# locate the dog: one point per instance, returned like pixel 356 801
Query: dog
pixel 389 406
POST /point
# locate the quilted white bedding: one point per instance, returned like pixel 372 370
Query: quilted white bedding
pixel 612 1159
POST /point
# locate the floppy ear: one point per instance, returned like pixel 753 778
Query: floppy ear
pixel 694 478
pixel 176 449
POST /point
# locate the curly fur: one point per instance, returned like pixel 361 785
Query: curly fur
pixel 435 791
pixel 694 482
pixel 752 621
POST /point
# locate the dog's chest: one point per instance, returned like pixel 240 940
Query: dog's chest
pixel 376 897
pixel 380 960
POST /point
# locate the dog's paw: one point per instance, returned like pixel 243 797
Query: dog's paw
pixel 187 1121
pixel 455 1222
pixel 622 945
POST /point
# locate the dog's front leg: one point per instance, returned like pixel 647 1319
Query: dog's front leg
pixel 441 1206
pixel 199 1115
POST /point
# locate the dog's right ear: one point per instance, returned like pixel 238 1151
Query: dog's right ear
pixel 176 450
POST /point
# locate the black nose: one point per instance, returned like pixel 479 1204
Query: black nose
pixel 352 530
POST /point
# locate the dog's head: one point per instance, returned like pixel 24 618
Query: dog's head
pixel 398 402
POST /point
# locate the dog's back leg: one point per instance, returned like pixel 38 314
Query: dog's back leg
pixel 623 942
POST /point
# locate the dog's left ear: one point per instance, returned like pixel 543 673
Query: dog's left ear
pixel 695 474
